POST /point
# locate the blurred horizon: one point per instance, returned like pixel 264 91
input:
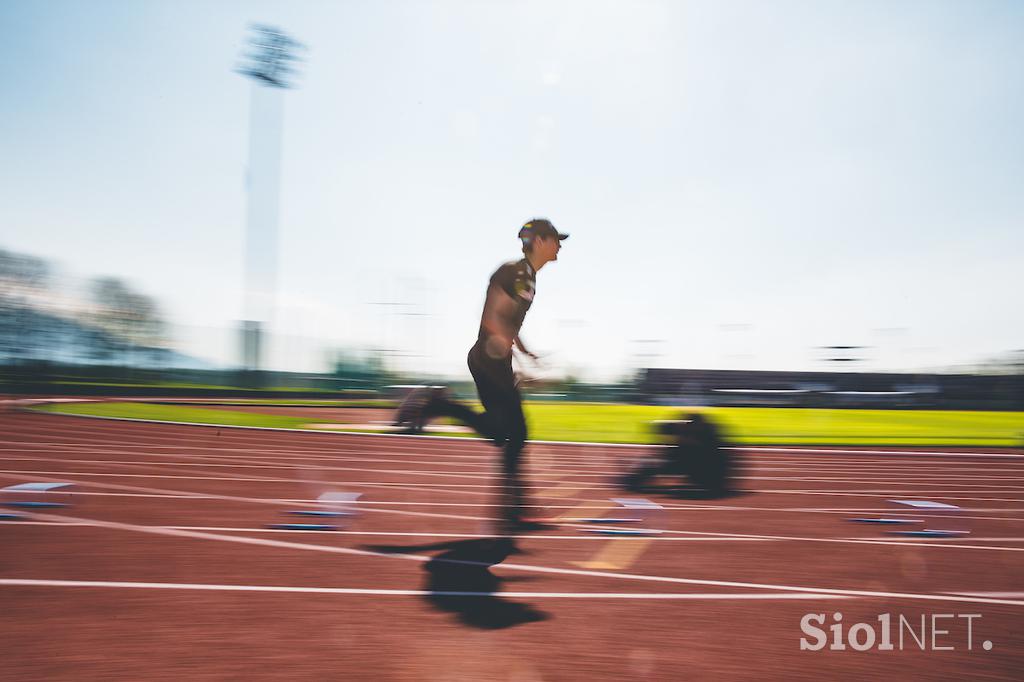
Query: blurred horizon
pixel 772 186
pixel 69 319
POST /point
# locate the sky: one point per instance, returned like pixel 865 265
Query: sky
pixel 744 182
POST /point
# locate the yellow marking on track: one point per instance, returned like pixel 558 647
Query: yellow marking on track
pixel 617 554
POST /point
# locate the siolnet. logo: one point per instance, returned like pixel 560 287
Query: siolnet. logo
pixel 924 633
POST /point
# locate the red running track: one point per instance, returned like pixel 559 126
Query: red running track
pixel 164 567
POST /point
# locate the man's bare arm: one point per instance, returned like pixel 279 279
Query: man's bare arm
pixel 518 341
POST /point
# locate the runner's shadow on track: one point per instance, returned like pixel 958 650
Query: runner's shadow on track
pixel 459 581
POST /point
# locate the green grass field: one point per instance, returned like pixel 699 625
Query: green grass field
pixel 176 413
pixel 114 385
pixel 283 402
pixel 614 423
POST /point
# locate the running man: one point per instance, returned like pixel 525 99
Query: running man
pixel 510 294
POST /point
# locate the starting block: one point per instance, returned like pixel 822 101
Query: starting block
pixel 629 510
pixel 927 533
pixel 937 520
pixel 942 520
pixel 302 526
pixel 621 531
pixel 333 505
pixel 36 495
pixel 893 522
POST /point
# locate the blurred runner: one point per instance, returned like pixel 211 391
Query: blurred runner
pixel 510 294
pixel 696 451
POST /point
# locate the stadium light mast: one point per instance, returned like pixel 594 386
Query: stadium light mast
pixel 269 63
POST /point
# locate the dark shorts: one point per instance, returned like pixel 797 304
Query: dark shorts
pixel 496 386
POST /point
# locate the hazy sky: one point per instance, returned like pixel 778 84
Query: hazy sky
pixel 744 181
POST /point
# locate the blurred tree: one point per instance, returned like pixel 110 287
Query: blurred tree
pixel 130 317
pixel 22 278
pixel 21 274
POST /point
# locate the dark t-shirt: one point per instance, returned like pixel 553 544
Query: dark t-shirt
pixel 519 281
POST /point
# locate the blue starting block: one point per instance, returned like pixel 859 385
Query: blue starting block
pixel 629 510
pixel 939 520
pixel 302 526
pixel 37 495
pixel 333 505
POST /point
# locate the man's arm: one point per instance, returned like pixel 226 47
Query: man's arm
pixel 518 341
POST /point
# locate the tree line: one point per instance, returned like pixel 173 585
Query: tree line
pixel 41 320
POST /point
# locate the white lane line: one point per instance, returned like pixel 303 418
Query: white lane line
pixel 249 500
pixel 437 488
pixel 369 505
pixel 482 518
pixel 947 495
pixel 389 472
pixel 996 595
pixel 959 539
pixel 398 449
pixel 586 538
pixel 250 460
pixel 261 450
pixel 854 541
pixel 875 466
pixel 956 481
pixel 20 582
pixel 262 455
pixel 375 506
pixel 241 539
pixel 471 535
pixel 479 488
pixel 485 470
pixel 563 451
pixel 908 453
pixel 256 479
pixel 540 476
pixel 596 504
pixel 292 465
pixel 258 450
pixel 567 451
pixel 880 509
pixel 327 449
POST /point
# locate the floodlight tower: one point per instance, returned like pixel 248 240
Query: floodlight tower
pixel 268 62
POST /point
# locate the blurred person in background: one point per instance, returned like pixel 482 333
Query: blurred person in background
pixel 510 294
pixel 696 450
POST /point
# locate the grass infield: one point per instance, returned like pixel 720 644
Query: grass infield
pixel 615 423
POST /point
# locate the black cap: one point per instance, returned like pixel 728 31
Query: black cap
pixel 540 227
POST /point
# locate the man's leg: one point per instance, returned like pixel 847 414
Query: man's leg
pixel 495 385
pixel 511 455
pixel 487 380
pixel 513 488
pixel 501 399
pixel 480 422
